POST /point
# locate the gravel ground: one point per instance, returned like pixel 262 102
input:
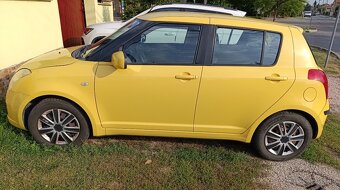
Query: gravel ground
pixel 334 93
pixel 298 174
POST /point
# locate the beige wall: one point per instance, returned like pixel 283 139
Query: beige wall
pixel 97 13
pixel 28 29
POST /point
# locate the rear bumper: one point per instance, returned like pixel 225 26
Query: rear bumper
pixel 321 120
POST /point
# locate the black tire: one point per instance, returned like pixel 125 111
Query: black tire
pixel 260 136
pixel 83 132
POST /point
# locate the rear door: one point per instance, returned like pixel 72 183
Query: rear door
pixel 247 74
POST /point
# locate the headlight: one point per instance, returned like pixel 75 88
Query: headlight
pixel 18 75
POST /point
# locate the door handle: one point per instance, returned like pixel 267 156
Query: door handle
pixel 186 77
pixel 276 78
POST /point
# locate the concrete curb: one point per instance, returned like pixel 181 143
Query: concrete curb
pixel 325 49
pixel 310 30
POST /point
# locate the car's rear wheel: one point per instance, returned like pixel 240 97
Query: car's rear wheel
pixel 283 136
pixel 56 121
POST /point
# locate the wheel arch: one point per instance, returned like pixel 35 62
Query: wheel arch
pixel 306 115
pixel 36 100
pixel 96 39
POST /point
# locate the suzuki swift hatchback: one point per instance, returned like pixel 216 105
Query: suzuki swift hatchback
pixel 175 74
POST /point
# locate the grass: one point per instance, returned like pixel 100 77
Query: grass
pixel 119 163
pixel 333 67
pixel 327 148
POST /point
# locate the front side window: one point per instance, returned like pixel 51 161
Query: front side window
pixel 245 47
pixel 164 44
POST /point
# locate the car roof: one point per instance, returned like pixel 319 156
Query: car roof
pixel 175 17
pixel 202 8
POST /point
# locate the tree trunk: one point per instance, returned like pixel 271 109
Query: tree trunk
pixel 205 2
pixel 116 10
pixel 275 11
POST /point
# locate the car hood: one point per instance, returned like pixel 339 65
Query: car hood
pixel 59 57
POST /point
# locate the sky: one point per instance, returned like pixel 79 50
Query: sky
pixel 321 1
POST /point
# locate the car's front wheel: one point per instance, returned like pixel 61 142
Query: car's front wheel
pixel 283 136
pixel 56 121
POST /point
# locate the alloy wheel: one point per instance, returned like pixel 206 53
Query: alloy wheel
pixel 58 126
pixel 284 138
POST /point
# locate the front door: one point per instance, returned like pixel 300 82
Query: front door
pixel 245 78
pixel 159 88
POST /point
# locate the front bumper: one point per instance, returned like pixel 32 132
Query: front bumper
pixel 16 103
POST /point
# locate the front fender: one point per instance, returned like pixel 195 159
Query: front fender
pixel 73 82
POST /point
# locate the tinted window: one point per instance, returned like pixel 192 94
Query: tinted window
pixel 169 34
pixel 164 44
pixel 271 48
pixel 237 47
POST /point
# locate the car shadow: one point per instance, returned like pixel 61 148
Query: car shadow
pixel 172 142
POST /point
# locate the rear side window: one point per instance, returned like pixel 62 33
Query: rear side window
pixel 245 47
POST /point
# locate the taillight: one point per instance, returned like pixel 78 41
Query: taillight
pixel 88 30
pixel 319 75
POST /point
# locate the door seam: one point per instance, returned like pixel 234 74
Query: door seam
pixel 198 92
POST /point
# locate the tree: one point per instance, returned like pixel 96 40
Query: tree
pixel 134 7
pixel 308 7
pixel 274 7
pixel 116 9
pixel 244 5
pixel 337 9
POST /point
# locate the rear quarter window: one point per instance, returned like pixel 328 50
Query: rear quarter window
pixel 271 48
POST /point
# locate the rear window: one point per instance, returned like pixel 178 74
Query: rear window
pixel 245 47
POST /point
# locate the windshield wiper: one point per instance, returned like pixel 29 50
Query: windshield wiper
pixel 79 53
pixel 83 51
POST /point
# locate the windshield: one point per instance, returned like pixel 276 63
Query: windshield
pixel 88 50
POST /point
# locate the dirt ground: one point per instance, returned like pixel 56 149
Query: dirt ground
pixel 298 174
pixel 334 93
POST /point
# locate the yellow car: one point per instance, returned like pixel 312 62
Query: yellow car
pixel 175 74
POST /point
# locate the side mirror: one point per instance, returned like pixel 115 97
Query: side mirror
pixel 118 60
